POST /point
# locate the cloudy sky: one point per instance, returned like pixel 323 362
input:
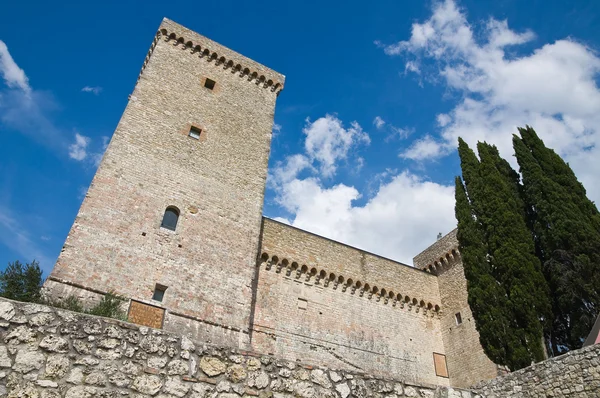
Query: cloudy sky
pixel 364 143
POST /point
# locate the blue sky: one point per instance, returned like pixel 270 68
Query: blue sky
pixel 375 97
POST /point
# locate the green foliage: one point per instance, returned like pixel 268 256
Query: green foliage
pixel 566 228
pixel 21 282
pixel 71 303
pixel 110 307
pixel 509 294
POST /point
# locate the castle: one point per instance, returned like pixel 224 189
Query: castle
pixel 173 222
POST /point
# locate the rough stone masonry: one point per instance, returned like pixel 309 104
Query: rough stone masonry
pixel 49 353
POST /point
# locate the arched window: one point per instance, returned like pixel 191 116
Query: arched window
pixel 170 218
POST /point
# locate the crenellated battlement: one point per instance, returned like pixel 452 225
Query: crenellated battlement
pixel 210 51
pixel 342 284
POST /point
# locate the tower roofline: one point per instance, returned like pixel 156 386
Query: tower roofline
pixel 221 55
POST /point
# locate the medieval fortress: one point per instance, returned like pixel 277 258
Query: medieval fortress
pixel 173 222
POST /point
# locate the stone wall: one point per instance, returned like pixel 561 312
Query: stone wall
pixel 574 374
pixel 216 182
pixel 467 362
pixel 335 305
pixel 50 353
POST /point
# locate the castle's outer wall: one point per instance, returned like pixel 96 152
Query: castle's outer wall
pixel 467 362
pixel 299 316
pixel 116 242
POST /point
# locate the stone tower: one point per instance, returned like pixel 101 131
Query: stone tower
pixel 172 218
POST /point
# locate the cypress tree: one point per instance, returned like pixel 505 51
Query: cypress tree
pixel 566 230
pixel 487 299
pixel 521 294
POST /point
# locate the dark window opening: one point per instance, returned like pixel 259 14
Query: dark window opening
pixel 170 218
pixel 195 132
pixel 159 292
pixel 209 84
pixel 458 318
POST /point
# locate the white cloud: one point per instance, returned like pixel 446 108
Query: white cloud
pixel 96 90
pixel 20 99
pixel 78 149
pixel 402 216
pixel 12 74
pixel 16 236
pixel 424 148
pixel 378 122
pixel 328 141
pixel 552 88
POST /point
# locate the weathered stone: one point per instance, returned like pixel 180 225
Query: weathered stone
pixel 343 389
pixel 76 376
pixel 176 387
pixel 187 344
pixel 108 343
pixel 212 366
pixel 96 378
pixel 82 347
pixel 131 368
pixel 177 367
pixel 319 377
pixel 258 379
pixel 27 360
pixel 86 361
pixel 57 366
pixel 29 309
pixel 410 391
pixel 201 390
pixel 119 379
pixel 335 376
pixel 26 391
pixel 253 364
pixel 41 319
pixel 7 310
pixel 92 326
pixel 54 343
pixel 46 383
pixel 21 334
pixel 157 362
pixel 236 373
pixel 81 392
pixel 147 384
pixel 5 361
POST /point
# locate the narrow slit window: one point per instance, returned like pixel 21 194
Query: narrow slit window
pixel 209 84
pixel 170 218
pixel 458 318
pixel 159 292
pixel 195 133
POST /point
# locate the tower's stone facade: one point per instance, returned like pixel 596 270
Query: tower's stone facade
pixel 215 182
pixel 172 222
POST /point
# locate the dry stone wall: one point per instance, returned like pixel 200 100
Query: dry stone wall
pixel 50 353
pixel 575 374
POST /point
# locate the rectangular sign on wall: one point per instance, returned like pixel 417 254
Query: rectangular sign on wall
pixel 146 315
pixel 439 361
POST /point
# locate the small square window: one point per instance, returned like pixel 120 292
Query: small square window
pixel 195 133
pixel 159 292
pixel 302 304
pixel 458 318
pixel 209 84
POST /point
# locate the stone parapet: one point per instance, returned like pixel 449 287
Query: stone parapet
pixel 47 352
pixel 574 374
